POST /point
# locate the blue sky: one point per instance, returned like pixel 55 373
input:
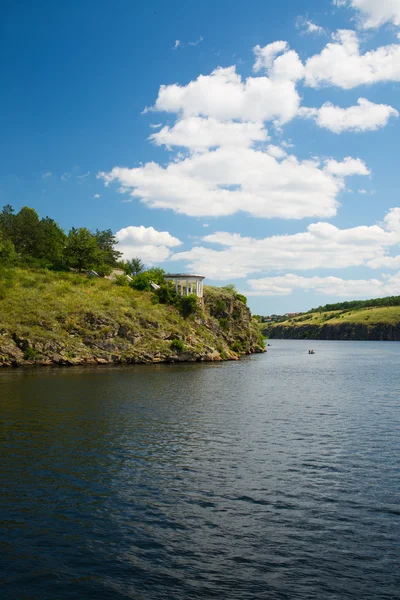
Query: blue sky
pixel 274 155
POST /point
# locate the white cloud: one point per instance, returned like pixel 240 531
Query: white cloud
pixel 65 176
pixel 322 245
pixel 341 64
pixel 385 262
pixel 82 177
pixel 229 179
pixel 96 196
pixel 330 286
pixel 46 175
pixel 349 166
pixel 276 151
pixel 223 95
pixel 307 26
pixel 147 243
pixel 266 55
pixel 374 13
pixel 199 133
pixel 155 125
pixel 391 222
pixel 197 42
pixel 365 116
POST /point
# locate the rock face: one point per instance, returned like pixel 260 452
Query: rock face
pixel 342 331
pixel 131 333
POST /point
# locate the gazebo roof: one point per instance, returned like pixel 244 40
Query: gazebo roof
pixel 182 276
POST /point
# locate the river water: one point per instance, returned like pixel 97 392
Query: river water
pixel 275 477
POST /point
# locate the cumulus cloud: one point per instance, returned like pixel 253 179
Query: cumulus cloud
pixel 365 116
pixel 266 55
pixel 349 166
pixel 147 243
pixel 341 64
pixel 229 179
pixel 199 133
pixel 322 245
pixel 374 13
pixel 177 44
pixel 330 286
pixel 96 196
pixel 223 95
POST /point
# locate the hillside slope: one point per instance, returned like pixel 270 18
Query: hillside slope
pixel 68 319
pixel 374 323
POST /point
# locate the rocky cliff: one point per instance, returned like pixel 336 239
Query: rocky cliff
pixel 62 319
pixel 338 331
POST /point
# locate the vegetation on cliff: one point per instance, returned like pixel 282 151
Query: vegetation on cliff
pixel 377 319
pixel 67 318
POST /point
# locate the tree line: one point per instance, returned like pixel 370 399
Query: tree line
pixel 28 240
pixel 358 304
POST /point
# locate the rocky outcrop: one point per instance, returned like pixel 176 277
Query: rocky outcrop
pixel 224 330
pixel 340 331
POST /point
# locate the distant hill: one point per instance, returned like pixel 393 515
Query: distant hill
pixel 377 319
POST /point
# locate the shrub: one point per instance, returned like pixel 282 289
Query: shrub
pixel 177 345
pixel 237 347
pixel 224 324
pixel 189 305
pixel 121 280
pixel 241 298
pixel 167 294
pixel 141 282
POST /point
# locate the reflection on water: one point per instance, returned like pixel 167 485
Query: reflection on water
pixel 276 477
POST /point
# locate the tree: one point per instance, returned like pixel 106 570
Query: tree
pixel 7 218
pixel 81 249
pixel 7 251
pixel 156 275
pixel 106 243
pixel 25 232
pixel 51 241
pixel 136 266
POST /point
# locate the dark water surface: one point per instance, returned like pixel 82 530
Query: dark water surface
pixel 276 477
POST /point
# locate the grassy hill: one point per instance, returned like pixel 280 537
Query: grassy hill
pixel 65 318
pixel 364 323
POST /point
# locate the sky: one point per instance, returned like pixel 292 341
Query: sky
pixel 254 143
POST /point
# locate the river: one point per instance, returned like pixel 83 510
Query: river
pixel 276 477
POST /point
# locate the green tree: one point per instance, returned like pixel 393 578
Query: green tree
pixel 7 251
pixel 25 232
pixel 106 243
pixel 81 249
pixel 136 266
pixel 51 241
pixel 7 218
pixel 156 275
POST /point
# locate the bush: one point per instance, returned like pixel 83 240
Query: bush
pixel 241 298
pixel 224 324
pixel 167 294
pixel 141 282
pixel 189 305
pixel 237 347
pixel 122 280
pixel 177 345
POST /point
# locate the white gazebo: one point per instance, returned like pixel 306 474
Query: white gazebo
pixel 186 284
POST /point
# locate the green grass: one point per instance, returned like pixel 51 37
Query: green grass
pixel 42 309
pixel 367 316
